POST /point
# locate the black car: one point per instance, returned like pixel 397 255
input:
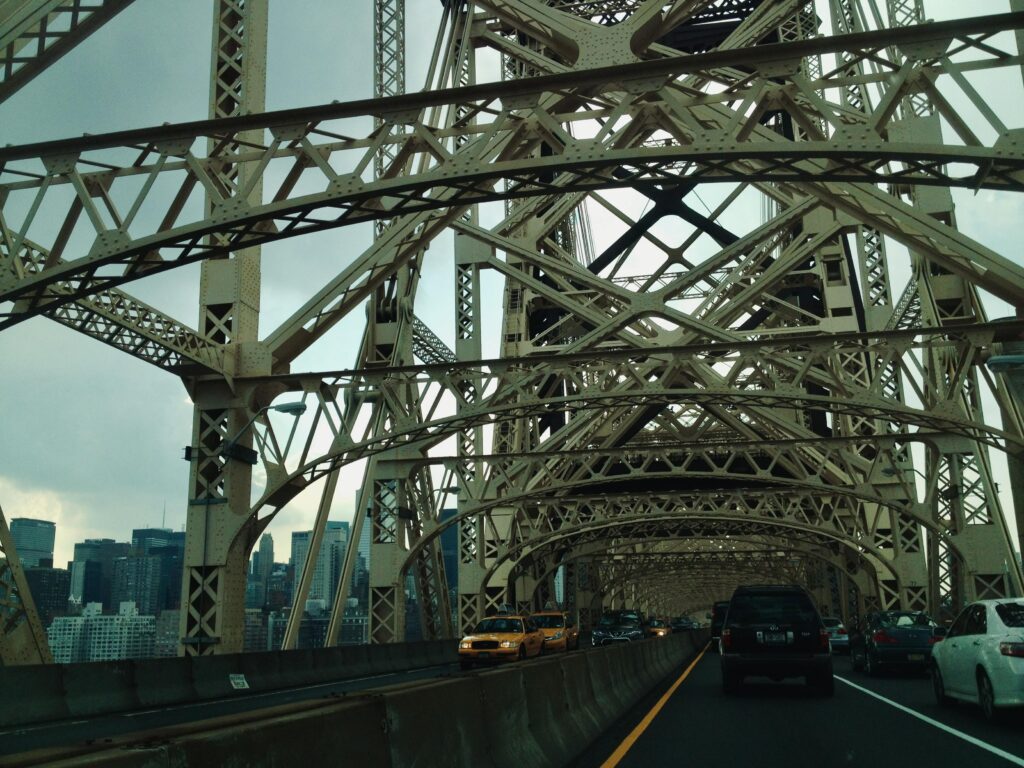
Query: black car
pixel 775 632
pixel 895 638
pixel 617 627
pixel 718 611
pixel 681 623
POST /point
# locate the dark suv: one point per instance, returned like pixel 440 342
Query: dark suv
pixel 618 627
pixel 775 632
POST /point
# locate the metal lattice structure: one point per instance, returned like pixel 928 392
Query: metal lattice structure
pixel 687 395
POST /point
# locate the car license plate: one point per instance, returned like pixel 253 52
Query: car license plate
pixel 775 637
pixel 483 654
pixel 915 657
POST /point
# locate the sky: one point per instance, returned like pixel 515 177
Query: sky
pixel 93 438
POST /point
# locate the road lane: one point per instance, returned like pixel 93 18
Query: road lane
pixel 787 724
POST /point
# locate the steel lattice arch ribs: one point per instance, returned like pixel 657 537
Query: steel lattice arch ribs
pixel 740 336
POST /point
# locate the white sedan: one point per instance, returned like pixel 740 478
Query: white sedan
pixel 981 660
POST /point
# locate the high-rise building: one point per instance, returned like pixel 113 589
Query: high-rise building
pixel 50 588
pixel 92 570
pixel 167 634
pixel 95 637
pixel 259 573
pixel 150 575
pixel 33 540
pixel 329 562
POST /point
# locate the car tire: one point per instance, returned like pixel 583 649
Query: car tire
pixel 870 667
pixel 939 687
pixel 987 697
pixel 856 661
pixel 521 656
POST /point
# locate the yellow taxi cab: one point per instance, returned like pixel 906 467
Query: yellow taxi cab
pixel 501 638
pixel 560 634
pixel 657 628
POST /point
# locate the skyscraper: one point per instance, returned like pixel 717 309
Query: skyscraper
pixel 150 575
pixel 329 562
pixel 33 540
pixel 92 570
pixel 259 574
pixel 50 588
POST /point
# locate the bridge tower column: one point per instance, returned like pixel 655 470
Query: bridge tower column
pixel 22 637
pixel 470 255
pixel 496 584
pixel 220 530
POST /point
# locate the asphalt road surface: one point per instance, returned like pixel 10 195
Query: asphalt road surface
pixel 888 720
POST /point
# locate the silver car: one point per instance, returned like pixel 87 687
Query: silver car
pixel 837 634
pixel 981 659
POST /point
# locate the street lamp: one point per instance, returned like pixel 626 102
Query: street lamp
pixel 232 450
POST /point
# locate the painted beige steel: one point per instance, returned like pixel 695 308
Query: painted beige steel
pixel 22 638
pixel 774 379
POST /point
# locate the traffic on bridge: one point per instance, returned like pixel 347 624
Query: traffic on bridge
pixel 632 379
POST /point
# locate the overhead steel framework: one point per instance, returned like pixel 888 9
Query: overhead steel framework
pixel 740 334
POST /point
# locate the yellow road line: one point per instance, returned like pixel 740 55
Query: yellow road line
pixel 636 733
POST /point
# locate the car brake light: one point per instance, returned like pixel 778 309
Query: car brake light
pixel 842 631
pixel 727 639
pixel 934 639
pixel 881 637
pixel 1012 649
pixel 823 639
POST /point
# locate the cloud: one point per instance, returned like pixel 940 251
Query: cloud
pixel 74 521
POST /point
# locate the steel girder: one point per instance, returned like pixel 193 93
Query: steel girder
pixel 35 33
pixel 22 638
pixel 665 124
pixel 702 142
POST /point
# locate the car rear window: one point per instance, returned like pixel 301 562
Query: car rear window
pixel 1012 614
pixel 828 622
pixel 771 607
pixel 549 622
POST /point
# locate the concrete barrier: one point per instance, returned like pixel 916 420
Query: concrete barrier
pixel 543 713
pixel 211 675
pixel 263 670
pixel 356 661
pixel 40 696
pixel 163 682
pixel 438 724
pixel 580 697
pixel 506 724
pixel 608 695
pixel 443 652
pixel 553 727
pixel 100 688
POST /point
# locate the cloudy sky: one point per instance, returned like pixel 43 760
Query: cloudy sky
pixel 92 438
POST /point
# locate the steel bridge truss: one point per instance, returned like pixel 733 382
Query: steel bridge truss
pixel 688 395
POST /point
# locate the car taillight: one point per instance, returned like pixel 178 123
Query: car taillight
pixel 934 639
pixel 1012 649
pixel 881 637
pixel 823 639
pixel 727 639
pixel 842 631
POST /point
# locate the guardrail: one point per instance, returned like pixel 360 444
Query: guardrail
pixel 541 713
pixel 60 691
